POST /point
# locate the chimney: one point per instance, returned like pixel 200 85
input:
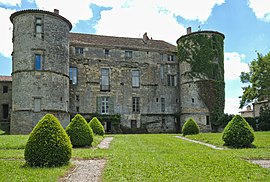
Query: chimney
pixel 188 30
pixel 145 37
pixel 56 11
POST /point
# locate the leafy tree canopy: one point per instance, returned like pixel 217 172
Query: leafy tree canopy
pixel 257 80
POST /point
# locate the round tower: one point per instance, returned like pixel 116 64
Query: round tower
pixel 40 72
pixel 202 87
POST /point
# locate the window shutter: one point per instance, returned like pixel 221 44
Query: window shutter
pixel 99 105
pixel 111 105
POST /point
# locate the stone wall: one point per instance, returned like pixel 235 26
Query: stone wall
pixel 46 89
pixel 5 103
pixel 153 85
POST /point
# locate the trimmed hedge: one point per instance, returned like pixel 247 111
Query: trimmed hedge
pixel 96 126
pixel 190 127
pixel 48 144
pixel 79 132
pixel 238 133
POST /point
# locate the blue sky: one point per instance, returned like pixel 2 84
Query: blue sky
pixel 245 24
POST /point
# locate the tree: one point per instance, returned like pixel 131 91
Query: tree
pixel 257 80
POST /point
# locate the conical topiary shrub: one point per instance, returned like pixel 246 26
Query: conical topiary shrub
pixel 190 127
pixel 238 133
pixel 97 127
pixel 48 144
pixel 79 132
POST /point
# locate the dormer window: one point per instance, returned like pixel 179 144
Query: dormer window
pixel 170 57
pixel 106 52
pixel 128 54
pixel 78 50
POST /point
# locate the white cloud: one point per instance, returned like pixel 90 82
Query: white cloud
pixel 232 105
pixel 190 10
pixel 234 65
pixel 6 32
pixel 72 10
pixel 11 2
pixel 261 8
pixel 134 22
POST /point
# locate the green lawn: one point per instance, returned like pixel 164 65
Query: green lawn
pixel 153 157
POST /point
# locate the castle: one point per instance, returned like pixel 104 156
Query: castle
pixel 147 84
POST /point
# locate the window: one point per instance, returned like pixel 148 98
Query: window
pixel 39 28
pixel 78 50
pixel 170 57
pixel 106 52
pixel 162 104
pixel 156 99
pixel 207 120
pixel 73 75
pixel 105 79
pixel 162 72
pixel 37 104
pixel 133 123
pixel 171 80
pixel 5 89
pixel 77 109
pixel 192 100
pixel 5 111
pixel 136 104
pixel 163 123
pixel 135 78
pixel 128 54
pixel 38 62
pixel 104 105
pixel 161 57
pixel 77 98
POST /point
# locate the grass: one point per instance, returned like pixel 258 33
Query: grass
pixel 166 158
pixel 262 139
pixel 160 157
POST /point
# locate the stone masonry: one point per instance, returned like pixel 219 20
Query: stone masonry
pixel 64 73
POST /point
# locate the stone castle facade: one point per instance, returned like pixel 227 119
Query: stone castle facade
pixel 139 79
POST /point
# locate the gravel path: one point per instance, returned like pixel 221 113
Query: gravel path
pixel 88 170
pixel 202 143
pixel 105 143
pixel 262 162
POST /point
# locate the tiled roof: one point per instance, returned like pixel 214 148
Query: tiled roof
pixel 121 42
pixel 5 78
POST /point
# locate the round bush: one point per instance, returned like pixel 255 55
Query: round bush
pixel 190 127
pixel 79 132
pixel 48 144
pixel 238 133
pixel 97 127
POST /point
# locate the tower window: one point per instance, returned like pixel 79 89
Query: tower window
pixel 38 61
pixel 39 28
pixel 192 100
pixel 37 104
pixel 171 80
pixel 73 75
pixel 77 98
pixel 77 109
pixel 162 104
